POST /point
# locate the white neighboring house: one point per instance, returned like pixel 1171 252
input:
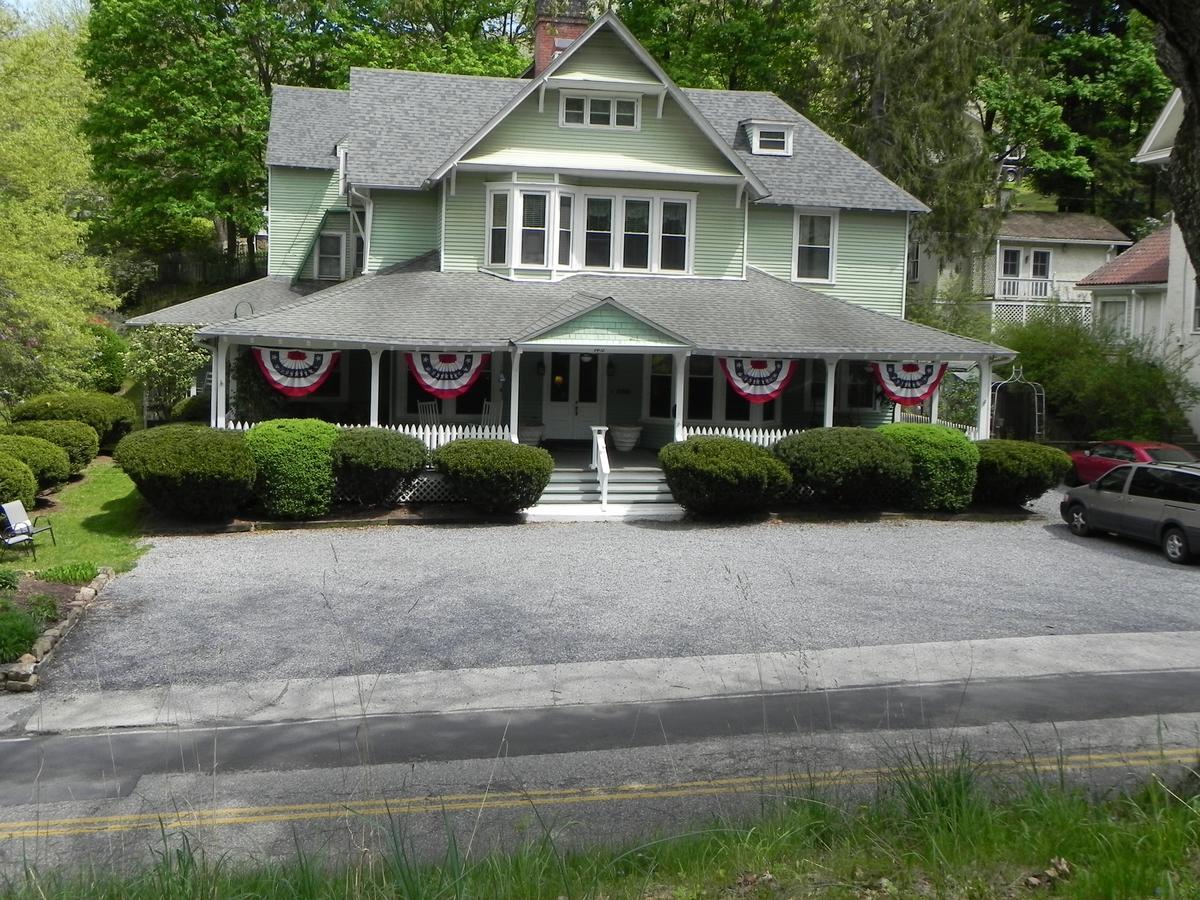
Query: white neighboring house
pixel 1038 259
pixel 1181 313
pixel 1129 292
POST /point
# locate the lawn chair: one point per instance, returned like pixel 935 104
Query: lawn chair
pixel 429 414
pixel 490 417
pixel 19 529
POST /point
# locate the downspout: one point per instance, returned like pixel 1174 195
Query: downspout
pixel 369 205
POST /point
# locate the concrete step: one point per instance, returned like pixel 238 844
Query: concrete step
pixel 569 498
pixel 636 476
pixel 638 487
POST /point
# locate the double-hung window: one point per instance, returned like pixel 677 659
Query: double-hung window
pixel 566 225
pixel 498 229
pixel 598 233
pixel 815 233
pixel 600 112
pixel 534 223
pixel 331 260
pixel 673 242
pixel 635 245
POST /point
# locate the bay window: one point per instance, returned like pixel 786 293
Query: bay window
pixel 597 238
pixel 498 229
pixel 635 253
pixel 565 223
pixel 533 229
pixel 815 239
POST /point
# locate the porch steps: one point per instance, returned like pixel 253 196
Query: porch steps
pixel 632 492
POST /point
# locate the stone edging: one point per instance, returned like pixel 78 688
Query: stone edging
pixel 22 675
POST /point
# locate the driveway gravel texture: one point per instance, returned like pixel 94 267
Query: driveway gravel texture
pixel 316 603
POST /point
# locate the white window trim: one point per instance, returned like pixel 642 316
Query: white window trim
pixel 615 235
pixel 719 381
pixel 587 97
pixel 317 255
pixel 1020 261
pixel 756 128
pixel 550 246
pixel 508 230
pixel 912 263
pixel 1049 263
pixel 833 215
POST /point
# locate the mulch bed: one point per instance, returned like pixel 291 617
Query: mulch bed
pixel 31 586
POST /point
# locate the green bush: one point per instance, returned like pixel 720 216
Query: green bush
pixel 295 466
pixel 44 609
pixel 48 462
pixel 715 476
pixel 943 461
pixel 195 408
pixel 372 465
pixel 9 579
pixel 496 476
pixel 189 471
pixel 16 481
pixel 112 417
pixel 78 439
pixel 108 359
pixel 1011 473
pixel 18 631
pixel 856 467
pixel 70 573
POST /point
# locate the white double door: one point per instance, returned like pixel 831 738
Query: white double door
pixel 573 395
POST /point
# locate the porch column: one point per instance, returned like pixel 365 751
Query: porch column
pixel 935 402
pixel 677 381
pixel 212 393
pixel 830 389
pixel 984 423
pixel 374 410
pixel 220 385
pixel 514 393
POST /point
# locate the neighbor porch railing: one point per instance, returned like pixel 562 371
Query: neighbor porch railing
pixel 903 415
pixel 1018 312
pixel 763 437
pixel 432 436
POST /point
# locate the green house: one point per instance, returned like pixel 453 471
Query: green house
pixel 590 245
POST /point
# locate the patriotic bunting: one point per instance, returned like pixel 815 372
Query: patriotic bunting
pixel 447 375
pixel 295 372
pixel 908 383
pixel 758 380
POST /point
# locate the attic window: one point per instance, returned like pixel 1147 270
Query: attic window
pixel 593 111
pixel 770 138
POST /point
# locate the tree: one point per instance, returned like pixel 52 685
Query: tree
pixel 1178 43
pixel 165 358
pixel 50 286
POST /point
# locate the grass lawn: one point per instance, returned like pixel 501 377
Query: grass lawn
pixel 95 520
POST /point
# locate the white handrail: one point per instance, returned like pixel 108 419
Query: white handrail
pixel 600 461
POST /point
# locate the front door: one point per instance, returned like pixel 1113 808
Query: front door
pixel 573 395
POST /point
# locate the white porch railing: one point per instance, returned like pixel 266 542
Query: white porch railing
pixel 1038 289
pixel 763 437
pixel 600 461
pixel 432 436
pixel 969 430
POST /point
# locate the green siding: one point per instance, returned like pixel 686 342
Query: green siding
pixel 465 219
pixel 871 253
pixel 602 326
pixel 720 234
pixel 298 201
pixel 404 224
pixel 605 57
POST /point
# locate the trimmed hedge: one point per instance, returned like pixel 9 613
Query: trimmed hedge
pixel 496 476
pixel 943 461
pixel 857 467
pixel 295 466
pixel 715 476
pixel 1011 473
pixel 47 461
pixel 186 471
pixel 195 408
pixel 372 465
pixel 18 631
pixel 108 359
pixel 78 439
pixel 16 481
pixel 112 417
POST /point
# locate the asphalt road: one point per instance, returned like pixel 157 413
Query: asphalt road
pixel 298 604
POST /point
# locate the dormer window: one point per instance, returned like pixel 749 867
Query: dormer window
pixel 597 111
pixel 770 138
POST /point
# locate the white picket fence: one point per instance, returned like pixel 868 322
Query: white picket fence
pixel 763 437
pixel 432 436
pixel 969 430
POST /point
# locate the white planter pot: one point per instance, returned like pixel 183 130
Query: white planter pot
pixel 530 434
pixel 625 437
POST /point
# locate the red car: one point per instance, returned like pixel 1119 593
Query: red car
pixel 1093 462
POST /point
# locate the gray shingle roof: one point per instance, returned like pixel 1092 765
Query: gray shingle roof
pixel 251 298
pixel 1060 226
pixel 421 308
pixel 306 126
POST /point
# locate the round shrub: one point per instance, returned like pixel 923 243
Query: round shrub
pixel 16 481
pixel 112 417
pixel 723 476
pixel 943 462
pixel 295 466
pixel 18 631
pixel 1011 473
pixel 189 471
pixel 195 408
pixel 372 465
pixel 78 439
pixel 47 461
pixel 856 467
pixel 496 476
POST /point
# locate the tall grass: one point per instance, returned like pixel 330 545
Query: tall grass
pixel 938 825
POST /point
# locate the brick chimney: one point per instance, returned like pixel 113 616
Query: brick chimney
pixel 558 23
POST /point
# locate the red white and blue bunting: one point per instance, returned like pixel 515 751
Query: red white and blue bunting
pixel 447 375
pixel 908 383
pixel 295 372
pixel 758 380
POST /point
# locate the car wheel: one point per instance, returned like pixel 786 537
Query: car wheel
pixel 1077 520
pixel 1175 545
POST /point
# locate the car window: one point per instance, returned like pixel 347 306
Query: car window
pixel 1181 487
pixel 1105 450
pixel 1114 481
pixel 1169 454
pixel 1148 482
pixel 1119 451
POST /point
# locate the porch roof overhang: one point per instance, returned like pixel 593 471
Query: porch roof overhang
pixel 418 307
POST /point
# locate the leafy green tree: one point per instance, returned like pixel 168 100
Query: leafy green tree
pixel 165 358
pixel 50 286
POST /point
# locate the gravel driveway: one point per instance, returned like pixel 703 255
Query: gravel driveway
pixel 317 603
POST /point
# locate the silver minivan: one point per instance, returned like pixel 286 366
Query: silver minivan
pixel 1155 502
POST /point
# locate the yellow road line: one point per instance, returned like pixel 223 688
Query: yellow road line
pixel 299 812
